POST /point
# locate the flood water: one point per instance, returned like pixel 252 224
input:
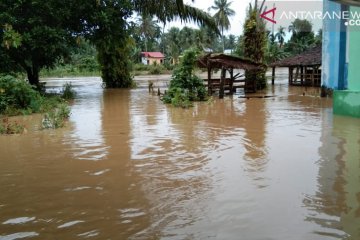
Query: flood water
pixel 127 166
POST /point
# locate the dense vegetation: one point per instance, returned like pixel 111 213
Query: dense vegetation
pixel 255 44
pixel 185 87
pixel 38 34
pixel 17 97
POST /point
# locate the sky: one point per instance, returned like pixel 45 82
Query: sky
pixel 237 21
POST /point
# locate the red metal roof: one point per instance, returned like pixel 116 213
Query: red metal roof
pixel 153 54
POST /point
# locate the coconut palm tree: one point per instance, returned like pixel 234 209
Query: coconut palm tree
pixel 280 36
pixel 222 16
pixel 232 42
pixel 147 28
pixel 169 10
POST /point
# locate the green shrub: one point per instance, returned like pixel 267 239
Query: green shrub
pixel 89 64
pixel 57 117
pixel 156 69
pixel 68 92
pixel 18 94
pixel 185 86
pixel 141 67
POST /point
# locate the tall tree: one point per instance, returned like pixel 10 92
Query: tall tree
pixel 148 28
pixel 44 37
pixel 302 37
pixel 231 42
pixel 187 38
pixel 280 36
pixel 222 16
pixel 172 44
pixel 255 43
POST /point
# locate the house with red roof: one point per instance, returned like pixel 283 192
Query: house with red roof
pixel 150 58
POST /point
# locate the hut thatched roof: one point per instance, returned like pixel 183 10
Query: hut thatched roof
pixel 311 57
pixel 222 60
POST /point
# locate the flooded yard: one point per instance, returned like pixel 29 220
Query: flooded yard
pixel 127 166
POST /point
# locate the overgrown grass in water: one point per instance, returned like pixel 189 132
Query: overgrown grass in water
pixel 8 127
pixel 17 97
pixel 56 117
pixel 68 92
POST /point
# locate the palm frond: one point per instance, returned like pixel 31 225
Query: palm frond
pixel 169 10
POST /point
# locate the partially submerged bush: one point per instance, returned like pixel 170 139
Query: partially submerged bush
pixel 57 117
pixel 185 86
pixel 17 94
pixel 18 97
pixel 68 92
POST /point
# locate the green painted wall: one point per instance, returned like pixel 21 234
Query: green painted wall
pixel 354 56
pixel 347 103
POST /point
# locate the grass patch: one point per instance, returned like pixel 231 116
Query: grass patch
pixel 69 71
pixel 155 69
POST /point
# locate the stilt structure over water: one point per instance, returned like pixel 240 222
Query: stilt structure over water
pixel 304 68
pixel 227 63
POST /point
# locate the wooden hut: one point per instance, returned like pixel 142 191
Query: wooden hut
pixel 227 63
pixel 304 68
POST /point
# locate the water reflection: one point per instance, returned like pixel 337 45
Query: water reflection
pixel 129 167
pixel 86 119
pixel 336 205
pixel 172 166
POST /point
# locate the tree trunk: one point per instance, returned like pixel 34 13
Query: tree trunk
pixel 146 47
pixel 222 35
pixel 33 75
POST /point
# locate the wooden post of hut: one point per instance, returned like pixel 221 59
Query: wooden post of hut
pixel 209 81
pixel 290 75
pixel 231 84
pixel 312 77
pixel 302 75
pixel 273 76
pixel 222 81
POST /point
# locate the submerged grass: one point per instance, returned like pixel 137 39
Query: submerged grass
pixel 8 127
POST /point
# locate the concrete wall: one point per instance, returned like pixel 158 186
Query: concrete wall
pixel 334 49
pixel 347 103
pixel 354 56
pixel 151 61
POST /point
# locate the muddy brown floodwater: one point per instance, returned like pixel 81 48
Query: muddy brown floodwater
pixel 129 167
